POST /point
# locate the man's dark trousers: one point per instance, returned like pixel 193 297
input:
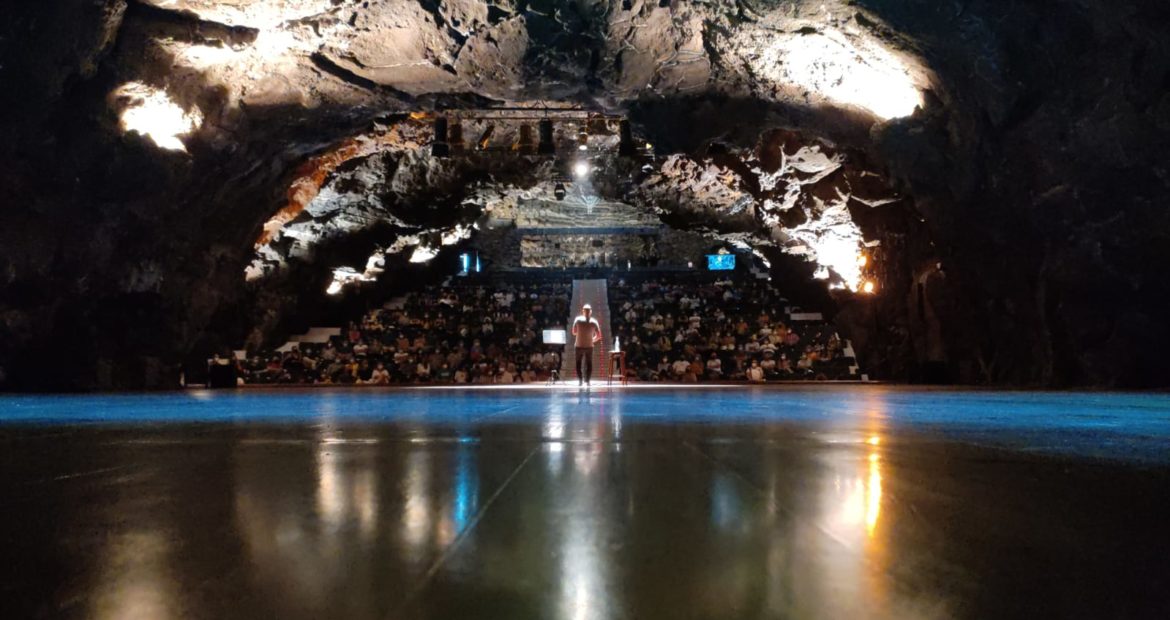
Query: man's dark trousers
pixel 585 353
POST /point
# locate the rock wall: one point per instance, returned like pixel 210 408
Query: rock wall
pixel 1035 163
pixel 1043 175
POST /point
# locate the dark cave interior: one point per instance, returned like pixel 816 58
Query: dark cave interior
pixel 1004 165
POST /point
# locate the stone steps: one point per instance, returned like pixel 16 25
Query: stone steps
pixel 596 294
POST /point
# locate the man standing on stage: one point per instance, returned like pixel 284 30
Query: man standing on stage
pixel 586 333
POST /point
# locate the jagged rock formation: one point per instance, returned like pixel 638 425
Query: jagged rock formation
pixel 146 144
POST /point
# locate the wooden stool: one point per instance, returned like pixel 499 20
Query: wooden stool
pixel 620 358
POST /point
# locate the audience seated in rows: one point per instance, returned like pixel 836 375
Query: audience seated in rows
pixel 672 327
pixel 681 329
pixel 458 334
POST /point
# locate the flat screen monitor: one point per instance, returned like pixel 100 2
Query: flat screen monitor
pixel 554 336
pixel 721 262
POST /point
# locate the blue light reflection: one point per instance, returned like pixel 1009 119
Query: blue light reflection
pixel 1130 426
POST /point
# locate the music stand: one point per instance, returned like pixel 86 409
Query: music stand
pixel 554 337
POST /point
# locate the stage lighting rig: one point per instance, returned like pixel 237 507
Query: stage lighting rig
pixel 532 131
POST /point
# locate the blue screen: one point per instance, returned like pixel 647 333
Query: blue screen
pixel 721 262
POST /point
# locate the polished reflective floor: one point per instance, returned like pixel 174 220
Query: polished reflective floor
pixel 793 502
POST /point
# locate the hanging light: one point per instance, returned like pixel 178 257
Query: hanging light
pixel 626 146
pixel 546 146
pixel 581 169
pixel 524 142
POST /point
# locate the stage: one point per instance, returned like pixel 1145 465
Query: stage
pixel 661 501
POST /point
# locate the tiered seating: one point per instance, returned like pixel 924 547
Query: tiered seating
pixel 467 333
pixel 561 251
pixel 672 326
pixel 694 328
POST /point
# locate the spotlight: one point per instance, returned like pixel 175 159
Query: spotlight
pixel 869 287
pixel 546 146
pixel 583 140
pixel 559 191
pixel 525 143
pixel 581 169
pixel 626 145
pixel 440 147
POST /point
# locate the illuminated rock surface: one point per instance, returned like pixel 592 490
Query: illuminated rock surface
pixel 1025 193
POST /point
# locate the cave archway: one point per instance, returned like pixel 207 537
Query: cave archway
pixel 793 199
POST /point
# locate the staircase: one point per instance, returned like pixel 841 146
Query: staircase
pixel 596 294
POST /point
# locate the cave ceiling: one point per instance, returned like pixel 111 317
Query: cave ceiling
pixel 205 72
pixel 309 53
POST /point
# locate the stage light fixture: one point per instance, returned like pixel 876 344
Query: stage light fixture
pixel 581 169
pixel 559 191
pixel 583 140
pixel 626 146
pixel 546 146
pixel 524 143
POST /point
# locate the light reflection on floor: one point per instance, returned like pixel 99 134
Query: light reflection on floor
pixel 802 501
pixel 1127 426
